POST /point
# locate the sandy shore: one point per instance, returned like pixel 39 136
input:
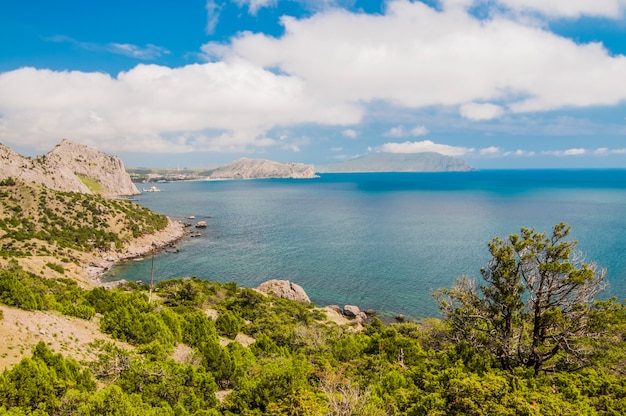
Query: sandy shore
pixel 98 264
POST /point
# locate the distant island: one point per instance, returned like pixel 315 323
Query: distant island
pixel 399 162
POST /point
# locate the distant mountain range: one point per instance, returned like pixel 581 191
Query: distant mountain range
pixel 399 162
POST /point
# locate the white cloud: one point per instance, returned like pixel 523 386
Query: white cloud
pixel 216 106
pixel 424 146
pixel 570 8
pixel 479 111
pixel 397 131
pixel 438 58
pixel 336 149
pixel 147 52
pixel 568 152
pixel 255 5
pixel 605 151
pixel 419 131
pixel 350 133
pixel 327 69
pixel 490 151
pixel 213 16
pixel 400 131
pixel 574 152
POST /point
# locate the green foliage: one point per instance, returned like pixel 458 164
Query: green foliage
pixel 228 324
pixel 93 185
pixel 56 267
pixel 9 181
pixel 49 221
pixel 14 292
pixel 535 307
pixel 130 318
pixel 28 291
pixel 41 381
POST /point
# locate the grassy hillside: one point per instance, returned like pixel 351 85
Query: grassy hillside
pixel 38 223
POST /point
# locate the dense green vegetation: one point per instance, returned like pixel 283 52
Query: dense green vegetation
pixel 186 362
pixel 38 221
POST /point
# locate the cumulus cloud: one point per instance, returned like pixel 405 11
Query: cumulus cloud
pixel 329 68
pixel 490 151
pixel 478 111
pixel 217 106
pixel 419 131
pixel 438 58
pixel 424 146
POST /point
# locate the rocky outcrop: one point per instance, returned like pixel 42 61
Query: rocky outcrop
pixel 63 167
pixel 353 312
pixel 284 289
pixel 262 169
pixel 37 171
pixel 107 170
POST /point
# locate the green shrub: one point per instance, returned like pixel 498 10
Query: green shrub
pixel 56 267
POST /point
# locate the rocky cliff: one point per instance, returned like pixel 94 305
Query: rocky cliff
pixel 106 170
pixel 260 169
pixel 70 167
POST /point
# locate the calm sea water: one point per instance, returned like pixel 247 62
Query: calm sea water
pixel 382 240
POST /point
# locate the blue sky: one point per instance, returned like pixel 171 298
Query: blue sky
pixel 198 83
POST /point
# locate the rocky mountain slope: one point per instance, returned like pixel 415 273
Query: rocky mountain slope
pixel 16 166
pixel 399 162
pixel 258 169
pixel 70 167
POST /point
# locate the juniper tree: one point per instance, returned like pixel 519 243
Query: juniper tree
pixel 534 305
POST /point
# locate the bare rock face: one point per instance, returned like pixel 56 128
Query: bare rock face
pixel 37 171
pixel 107 170
pixel 351 311
pixel 284 289
pixel 60 170
pixel 260 169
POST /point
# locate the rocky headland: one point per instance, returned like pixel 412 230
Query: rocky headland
pixel 76 168
pixel 70 167
pixel 262 169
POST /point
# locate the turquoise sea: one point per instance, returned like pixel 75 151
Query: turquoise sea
pixel 382 240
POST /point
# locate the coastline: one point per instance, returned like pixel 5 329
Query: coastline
pixel 100 263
